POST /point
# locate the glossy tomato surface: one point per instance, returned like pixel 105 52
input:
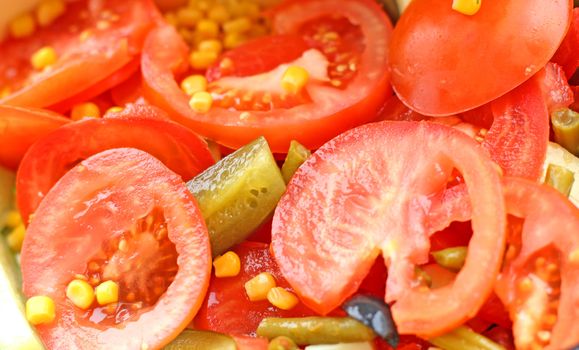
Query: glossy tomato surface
pixel 367 192
pixel 227 309
pixel 51 157
pixel 119 216
pixel 444 62
pixel 348 77
pixel 93 39
pixel 20 128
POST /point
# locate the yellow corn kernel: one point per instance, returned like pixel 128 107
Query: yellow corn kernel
pixel 258 287
pixel 233 40
pixel 188 17
pixel 213 45
pixel 85 110
pixel 13 219
pixel 171 18
pixel 207 29
pixel 107 293
pixel 114 109
pixel 201 102
pixel 80 293
pixel 202 5
pixel 40 310
pixel 218 13
pixel 16 237
pixel 5 92
pixel 227 265
pixel 238 25
pixel 282 299
pixel 193 84
pixel 22 26
pixel 49 10
pixel 294 79
pixel 248 9
pixel 466 7
pixel 43 57
pixel 202 59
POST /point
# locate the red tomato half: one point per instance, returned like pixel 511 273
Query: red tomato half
pixel 123 216
pixel 20 128
pixel 227 308
pixel 444 62
pixel 93 39
pixel 368 192
pixel 348 82
pixel 52 156
pixel 540 280
pixel 568 53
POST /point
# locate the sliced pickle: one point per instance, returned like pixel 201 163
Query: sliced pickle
pixel 238 194
pixel 296 156
pixel 201 340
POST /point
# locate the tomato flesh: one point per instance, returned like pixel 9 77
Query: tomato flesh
pixel 227 308
pixel 243 111
pixel 52 156
pixel 444 62
pixel 120 215
pixel 340 211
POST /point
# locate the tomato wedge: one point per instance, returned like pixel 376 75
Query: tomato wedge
pixel 20 128
pixel 123 216
pixel 227 309
pixel 93 39
pixel 539 282
pixel 567 55
pixel 346 59
pixel 368 192
pixel 51 157
pixel 444 62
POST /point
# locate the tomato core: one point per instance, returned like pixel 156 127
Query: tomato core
pixel 142 260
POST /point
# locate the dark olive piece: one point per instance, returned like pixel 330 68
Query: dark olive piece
pixel 375 314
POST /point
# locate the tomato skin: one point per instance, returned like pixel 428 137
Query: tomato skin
pixel 53 155
pixel 327 264
pixel 21 127
pixel 227 308
pixel 66 232
pixel 82 64
pixel 440 58
pixel 311 124
pixel 567 54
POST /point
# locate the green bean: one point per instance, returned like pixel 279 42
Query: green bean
pixel 463 338
pixel 560 178
pixel 7 180
pixel 296 156
pixel 566 128
pixel 451 258
pixel 316 330
pixel 282 343
pixel 238 194
pixel 201 340
pixel 423 277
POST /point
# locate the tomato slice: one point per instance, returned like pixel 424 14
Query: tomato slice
pixel 567 55
pixel 123 216
pixel 368 191
pixel 539 282
pixel 20 128
pixel 354 37
pixel 444 62
pixel 93 39
pixel 56 153
pixel 227 308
